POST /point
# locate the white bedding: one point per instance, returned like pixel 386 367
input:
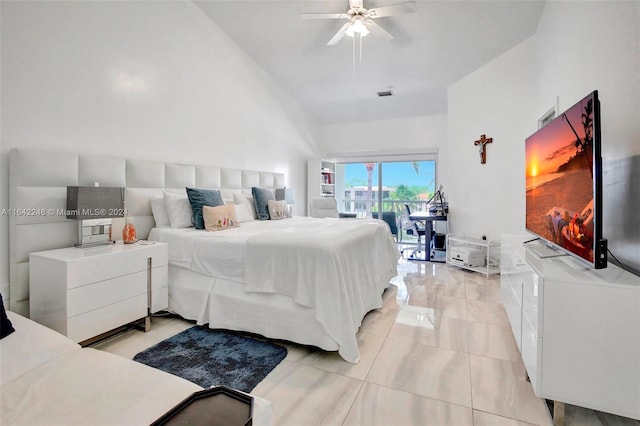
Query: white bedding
pixel 218 254
pixel 332 266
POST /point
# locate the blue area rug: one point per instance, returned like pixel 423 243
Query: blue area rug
pixel 214 357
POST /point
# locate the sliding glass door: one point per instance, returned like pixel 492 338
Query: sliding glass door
pixel 408 182
pixel 366 188
pixel 357 190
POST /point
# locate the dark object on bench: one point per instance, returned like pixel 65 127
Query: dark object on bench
pixel 348 215
pixel 390 218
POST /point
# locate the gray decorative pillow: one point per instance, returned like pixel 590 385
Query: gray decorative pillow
pixel 200 198
pixel 262 197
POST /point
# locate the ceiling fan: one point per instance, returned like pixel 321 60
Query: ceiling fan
pixel 361 20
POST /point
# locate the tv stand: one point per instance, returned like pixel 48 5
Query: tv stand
pixel 542 249
pixel 577 329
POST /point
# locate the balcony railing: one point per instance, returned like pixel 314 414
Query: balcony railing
pixel 364 208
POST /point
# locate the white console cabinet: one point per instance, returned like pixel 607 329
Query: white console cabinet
pixel 577 328
pixel 84 292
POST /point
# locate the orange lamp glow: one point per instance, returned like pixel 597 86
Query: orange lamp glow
pixel 129 233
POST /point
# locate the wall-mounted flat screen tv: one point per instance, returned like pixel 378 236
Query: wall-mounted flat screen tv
pixel 564 183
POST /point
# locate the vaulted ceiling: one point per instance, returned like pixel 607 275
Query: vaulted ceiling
pixel 432 48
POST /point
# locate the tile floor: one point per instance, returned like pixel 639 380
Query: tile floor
pixel 439 352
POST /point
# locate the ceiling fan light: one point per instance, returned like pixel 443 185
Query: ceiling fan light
pixel 350 31
pixel 357 26
pixel 364 31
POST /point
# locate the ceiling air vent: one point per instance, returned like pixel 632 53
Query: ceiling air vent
pixel 385 93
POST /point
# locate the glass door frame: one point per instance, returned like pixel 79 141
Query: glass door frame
pixel 381 159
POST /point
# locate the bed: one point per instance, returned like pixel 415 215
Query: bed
pixel 306 280
pixel 47 379
pixel 329 320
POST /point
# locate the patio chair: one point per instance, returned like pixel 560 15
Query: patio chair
pixel 390 219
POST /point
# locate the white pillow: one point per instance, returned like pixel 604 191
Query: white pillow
pixel 178 209
pixel 243 213
pixel 159 211
pixel 247 200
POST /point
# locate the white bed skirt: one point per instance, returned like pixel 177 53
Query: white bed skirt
pixel 224 304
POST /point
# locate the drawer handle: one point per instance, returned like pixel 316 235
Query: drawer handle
pixel 149 285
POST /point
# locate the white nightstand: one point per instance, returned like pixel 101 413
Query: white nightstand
pixel 84 292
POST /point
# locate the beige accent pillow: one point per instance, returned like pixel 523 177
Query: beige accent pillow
pixel 220 217
pixel 277 209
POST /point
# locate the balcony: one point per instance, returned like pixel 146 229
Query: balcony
pixel 364 208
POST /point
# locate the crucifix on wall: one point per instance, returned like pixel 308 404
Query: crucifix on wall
pixel 482 144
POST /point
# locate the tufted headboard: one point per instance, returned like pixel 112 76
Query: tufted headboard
pixel 38 183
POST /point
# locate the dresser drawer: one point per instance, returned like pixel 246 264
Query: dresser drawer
pixel 531 344
pixel 93 296
pixel 530 298
pixel 512 307
pixel 98 321
pixel 85 292
pixel 102 265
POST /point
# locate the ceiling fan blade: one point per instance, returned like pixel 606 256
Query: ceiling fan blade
pixel 379 29
pixel 355 4
pixel 341 32
pixel 324 16
pixel 394 9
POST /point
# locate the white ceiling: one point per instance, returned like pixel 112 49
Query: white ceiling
pixel 434 47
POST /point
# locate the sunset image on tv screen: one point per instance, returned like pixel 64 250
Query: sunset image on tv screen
pixel 559 180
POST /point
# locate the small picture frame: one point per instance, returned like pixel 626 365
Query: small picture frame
pixel 548 116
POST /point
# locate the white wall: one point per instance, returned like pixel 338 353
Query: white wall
pixel 583 46
pixel 578 47
pixel 410 134
pixel 498 100
pixel 155 80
